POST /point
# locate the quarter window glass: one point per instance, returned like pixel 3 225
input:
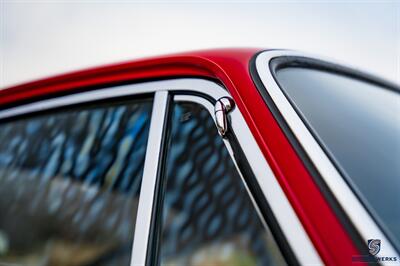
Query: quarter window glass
pixel 69 185
pixel 359 125
pixel 208 216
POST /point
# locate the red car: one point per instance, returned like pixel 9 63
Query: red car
pixel 221 157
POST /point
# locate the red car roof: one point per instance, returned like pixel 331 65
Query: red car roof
pixel 212 64
pixel 230 67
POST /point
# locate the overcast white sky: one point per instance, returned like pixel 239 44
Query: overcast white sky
pixel 42 38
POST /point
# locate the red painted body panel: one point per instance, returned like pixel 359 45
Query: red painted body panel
pixel 231 67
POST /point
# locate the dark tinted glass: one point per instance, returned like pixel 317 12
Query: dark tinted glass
pixel 208 216
pixel 69 185
pixel 359 125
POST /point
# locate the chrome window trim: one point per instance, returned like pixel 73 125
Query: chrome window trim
pixel 354 209
pixel 150 173
pixel 290 224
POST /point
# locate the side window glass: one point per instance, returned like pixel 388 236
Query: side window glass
pixel 208 216
pixel 357 123
pixel 69 185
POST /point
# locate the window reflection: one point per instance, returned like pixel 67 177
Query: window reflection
pixel 208 217
pixel 69 185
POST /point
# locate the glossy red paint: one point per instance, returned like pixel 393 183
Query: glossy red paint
pixel 231 67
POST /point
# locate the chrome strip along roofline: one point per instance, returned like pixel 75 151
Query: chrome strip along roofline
pixel 290 224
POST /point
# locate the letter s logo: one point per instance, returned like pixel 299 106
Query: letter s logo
pixel 374 246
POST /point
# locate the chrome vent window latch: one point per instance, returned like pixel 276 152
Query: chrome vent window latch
pixel 221 109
